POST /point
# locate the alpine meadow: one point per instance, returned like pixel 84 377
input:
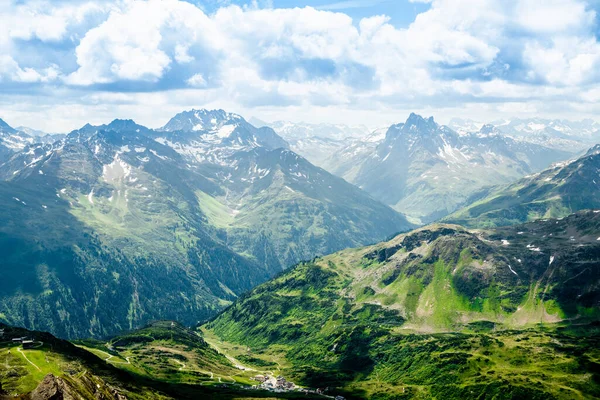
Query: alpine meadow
pixel 299 199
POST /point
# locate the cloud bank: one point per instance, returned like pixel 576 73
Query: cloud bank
pixel 82 60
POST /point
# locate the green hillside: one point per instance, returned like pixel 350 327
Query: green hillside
pixel 162 361
pixel 440 312
pixel 556 192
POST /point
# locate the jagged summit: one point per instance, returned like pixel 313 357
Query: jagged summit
pixel 415 126
pixel 6 128
pixel 417 122
pixel 201 120
pixel 489 129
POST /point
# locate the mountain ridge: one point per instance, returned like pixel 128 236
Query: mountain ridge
pixel 426 170
pixel 141 216
pixel 558 191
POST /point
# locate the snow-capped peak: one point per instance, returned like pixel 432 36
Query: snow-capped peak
pixel 201 120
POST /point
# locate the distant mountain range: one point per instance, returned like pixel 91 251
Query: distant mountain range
pixel 426 170
pixel 14 140
pixel 573 136
pixel 318 142
pixel 118 224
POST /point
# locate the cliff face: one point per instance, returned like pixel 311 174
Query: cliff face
pixel 84 387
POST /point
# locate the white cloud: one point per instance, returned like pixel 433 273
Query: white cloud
pixel 197 81
pixel 48 23
pixel 141 41
pixel 458 51
pixel 11 71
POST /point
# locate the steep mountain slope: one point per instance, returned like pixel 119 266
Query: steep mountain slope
pixel 275 205
pixel 104 233
pixel 12 140
pixel 556 192
pixel 426 170
pixel 111 216
pixel 349 320
pixel 286 210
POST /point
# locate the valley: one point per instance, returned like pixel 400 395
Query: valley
pixel 441 311
pixel 236 268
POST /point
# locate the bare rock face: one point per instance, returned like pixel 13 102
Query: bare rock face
pixel 86 387
pixel 51 388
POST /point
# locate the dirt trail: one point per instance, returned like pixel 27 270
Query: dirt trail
pixel 20 350
pixel 108 359
pixel 235 362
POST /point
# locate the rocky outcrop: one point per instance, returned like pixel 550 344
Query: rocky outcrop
pixel 85 387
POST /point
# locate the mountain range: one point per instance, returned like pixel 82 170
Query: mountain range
pixel 270 263
pixel 426 170
pixel 14 140
pixel 573 136
pixel 168 223
pixel 317 142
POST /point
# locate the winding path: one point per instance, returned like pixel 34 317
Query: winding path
pixel 20 350
pixel 108 359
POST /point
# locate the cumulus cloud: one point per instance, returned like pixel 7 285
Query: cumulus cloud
pixel 460 51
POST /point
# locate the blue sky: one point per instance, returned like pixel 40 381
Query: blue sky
pixel 67 62
pixel 401 12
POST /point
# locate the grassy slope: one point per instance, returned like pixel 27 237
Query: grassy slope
pixel 359 319
pixel 151 369
pixel 553 193
pixel 82 235
pixel 296 211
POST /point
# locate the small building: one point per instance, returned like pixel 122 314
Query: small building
pixel 19 339
pixel 27 344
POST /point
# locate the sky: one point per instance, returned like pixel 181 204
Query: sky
pixel 64 63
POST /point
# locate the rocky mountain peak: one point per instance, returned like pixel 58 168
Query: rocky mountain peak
pixel 416 122
pixel 5 128
pixel 123 125
pixel 201 120
pixel 489 129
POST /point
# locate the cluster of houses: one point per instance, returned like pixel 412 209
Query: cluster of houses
pixel 280 384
